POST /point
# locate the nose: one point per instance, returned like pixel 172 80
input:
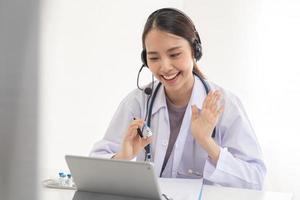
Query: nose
pixel 165 65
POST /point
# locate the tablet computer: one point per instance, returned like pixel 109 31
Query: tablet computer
pixel 115 177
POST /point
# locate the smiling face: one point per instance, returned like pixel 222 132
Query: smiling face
pixel 170 59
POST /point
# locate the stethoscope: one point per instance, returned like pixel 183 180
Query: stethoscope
pixel 152 96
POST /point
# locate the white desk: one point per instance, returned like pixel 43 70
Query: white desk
pixel 222 193
pixel 181 188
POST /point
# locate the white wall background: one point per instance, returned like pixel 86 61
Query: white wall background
pixel 251 48
pixel 90 54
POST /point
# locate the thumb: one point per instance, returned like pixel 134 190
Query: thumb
pixel 146 141
pixel 195 112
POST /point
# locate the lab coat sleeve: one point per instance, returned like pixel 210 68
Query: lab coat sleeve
pixel 240 163
pixel 112 140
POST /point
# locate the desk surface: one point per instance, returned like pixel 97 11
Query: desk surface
pixel 182 186
pixel 222 193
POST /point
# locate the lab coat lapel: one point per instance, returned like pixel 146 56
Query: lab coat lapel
pixel 162 127
pixel 197 98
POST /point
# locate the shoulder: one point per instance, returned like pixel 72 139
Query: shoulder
pixel 227 95
pixel 136 99
pixel 232 103
pixel 234 123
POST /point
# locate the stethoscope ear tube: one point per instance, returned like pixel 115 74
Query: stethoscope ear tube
pixel 148 147
pixel 151 105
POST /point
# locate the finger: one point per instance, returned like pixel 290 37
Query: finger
pixel 207 100
pixel 132 130
pixel 214 108
pixel 136 132
pixel 216 102
pixel 195 112
pixel 219 100
pixel 146 141
pixel 221 109
pixel 138 119
pixel 214 98
pixel 211 99
pixel 139 122
pixel 130 135
pixel 134 126
pixel 211 104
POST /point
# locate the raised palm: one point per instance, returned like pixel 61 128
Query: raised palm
pixel 204 122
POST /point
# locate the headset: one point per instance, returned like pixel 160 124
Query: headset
pixel 196 44
pixel 197 48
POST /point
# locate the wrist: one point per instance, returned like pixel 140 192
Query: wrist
pixel 121 156
pixel 214 153
pixel 203 140
pixel 211 147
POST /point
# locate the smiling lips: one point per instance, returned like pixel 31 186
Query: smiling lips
pixel 170 77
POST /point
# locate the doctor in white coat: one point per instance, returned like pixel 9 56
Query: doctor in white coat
pixel 183 115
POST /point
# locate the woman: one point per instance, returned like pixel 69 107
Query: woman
pixel 196 133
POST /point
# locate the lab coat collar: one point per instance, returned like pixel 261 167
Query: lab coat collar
pixel 198 93
pixel 197 97
pixel 160 99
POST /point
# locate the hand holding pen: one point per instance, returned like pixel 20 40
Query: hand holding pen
pixel 133 142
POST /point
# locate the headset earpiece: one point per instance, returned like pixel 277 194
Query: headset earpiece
pixel 144 57
pixel 197 50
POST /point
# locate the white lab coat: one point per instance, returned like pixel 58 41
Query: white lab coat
pixel 240 162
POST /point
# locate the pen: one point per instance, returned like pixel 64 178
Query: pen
pixel 139 131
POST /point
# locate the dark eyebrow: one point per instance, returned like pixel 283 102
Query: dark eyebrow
pixel 173 48
pixel 169 50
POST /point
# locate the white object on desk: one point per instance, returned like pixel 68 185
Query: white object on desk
pixel 181 189
pixel 55 183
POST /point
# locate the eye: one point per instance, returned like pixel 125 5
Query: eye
pixel 175 55
pixel 153 58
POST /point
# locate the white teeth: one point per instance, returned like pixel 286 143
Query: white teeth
pixel 170 77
